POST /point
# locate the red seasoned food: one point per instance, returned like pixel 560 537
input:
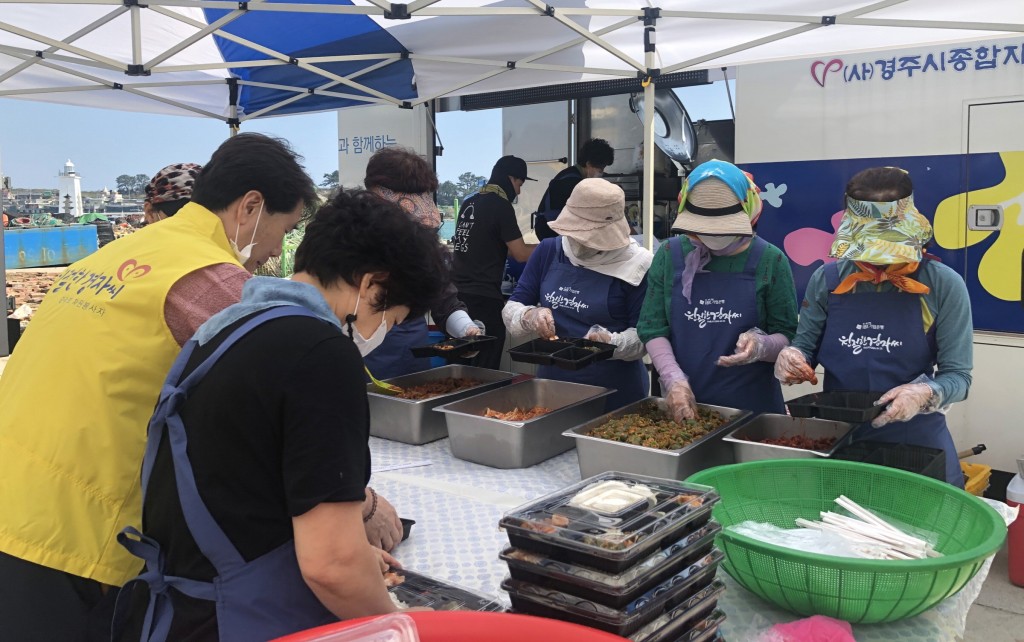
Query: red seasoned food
pixel 800 441
pixel 444 386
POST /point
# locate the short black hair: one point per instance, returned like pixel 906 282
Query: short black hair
pixel 253 161
pixel 357 232
pixel 881 184
pixel 170 208
pixel 597 152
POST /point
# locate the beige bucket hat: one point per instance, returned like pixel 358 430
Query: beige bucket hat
pixel 595 216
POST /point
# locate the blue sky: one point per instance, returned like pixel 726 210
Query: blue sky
pixel 36 138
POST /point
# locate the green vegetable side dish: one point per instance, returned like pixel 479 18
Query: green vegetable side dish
pixel 652 428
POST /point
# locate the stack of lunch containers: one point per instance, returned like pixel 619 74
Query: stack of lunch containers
pixel 628 554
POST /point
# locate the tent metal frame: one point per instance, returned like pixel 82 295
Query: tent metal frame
pixel 63 56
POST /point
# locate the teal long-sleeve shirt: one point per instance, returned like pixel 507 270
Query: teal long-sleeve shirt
pixel 776 293
pixel 947 307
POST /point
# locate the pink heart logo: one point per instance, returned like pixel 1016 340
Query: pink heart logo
pixel 824 67
pixel 131 269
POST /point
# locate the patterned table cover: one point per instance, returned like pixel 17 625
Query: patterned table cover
pixel 457 506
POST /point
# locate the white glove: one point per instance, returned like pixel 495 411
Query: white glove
pixel 541 321
pixel 791 367
pixel 473 329
pixel 681 402
pixel 628 346
pixel 905 402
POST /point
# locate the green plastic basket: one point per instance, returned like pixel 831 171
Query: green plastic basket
pixel 855 590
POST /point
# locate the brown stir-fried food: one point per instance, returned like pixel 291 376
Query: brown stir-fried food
pixel 800 441
pixel 652 428
pixel 434 388
pixel 516 414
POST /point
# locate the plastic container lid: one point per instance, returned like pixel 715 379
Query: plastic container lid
pixel 394 627
pixel 609 531
pixel 597 584
pixel 414 589
pixel 536 600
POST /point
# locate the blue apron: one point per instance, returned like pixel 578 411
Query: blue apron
pixel 578 299
pixel 724 307
pixel 258 600
pixel 393 358
pixel 875 341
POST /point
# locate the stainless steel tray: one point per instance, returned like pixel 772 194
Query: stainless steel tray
pixel 519 444
pixel 598 455
pixel 410 421
pixel 769 426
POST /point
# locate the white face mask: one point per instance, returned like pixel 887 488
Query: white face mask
pixel 581 251
pixel 366 345
pixel 717 243
pixel 245 253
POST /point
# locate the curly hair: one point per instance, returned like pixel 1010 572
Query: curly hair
pixel 597 152
pixel 400 170
pixel 880 184
pixel 356 233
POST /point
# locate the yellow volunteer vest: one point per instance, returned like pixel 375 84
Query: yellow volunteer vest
pixel 78 392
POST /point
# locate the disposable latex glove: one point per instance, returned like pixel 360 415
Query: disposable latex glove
pixel 384 529
pixel 754 345
pixel 681 402
pixel 541 321
pixel 791 367
pixel 905 402
pixel 473 329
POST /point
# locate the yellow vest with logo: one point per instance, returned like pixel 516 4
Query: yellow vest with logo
pixel 78 392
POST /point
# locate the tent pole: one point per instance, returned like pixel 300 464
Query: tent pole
pixel 233 122
pixel 649 86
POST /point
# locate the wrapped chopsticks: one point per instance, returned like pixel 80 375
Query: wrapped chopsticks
pixel 869 534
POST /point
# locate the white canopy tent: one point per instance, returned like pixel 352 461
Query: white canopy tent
pixel 236 61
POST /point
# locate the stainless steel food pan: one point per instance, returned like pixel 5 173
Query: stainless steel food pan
pixel 519 444
pixel 745 438
pixel 411 421
pixel 598 455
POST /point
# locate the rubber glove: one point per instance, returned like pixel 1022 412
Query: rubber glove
pixel 473 329
pixel 905 402
pixel 681 402
pixel 541 321
pixel 754 345
pixel 791 367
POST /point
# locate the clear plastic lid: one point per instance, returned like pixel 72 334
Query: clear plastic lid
pixel 613 515
pixel 615 583
pixel 706 630
pixel 412 589
pixel 703 601
pixel 648 603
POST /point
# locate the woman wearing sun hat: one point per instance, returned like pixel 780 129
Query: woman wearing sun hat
pixel 887 318
pixel 721 302
pixel 594 274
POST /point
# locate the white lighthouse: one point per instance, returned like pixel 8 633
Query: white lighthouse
pixel 70 185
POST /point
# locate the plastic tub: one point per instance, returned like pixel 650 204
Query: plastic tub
pixel 420 590
pixel 618 589
pixel 848 406
pixel 535 600
pixel 610 541
pixel 747 445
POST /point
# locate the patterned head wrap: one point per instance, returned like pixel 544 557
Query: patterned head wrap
pixel 420 206
pixel 172 183
pixel 881 233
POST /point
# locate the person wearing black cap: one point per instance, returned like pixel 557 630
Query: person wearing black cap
pixel 486 233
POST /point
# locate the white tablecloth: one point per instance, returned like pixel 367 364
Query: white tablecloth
pixel 457 505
